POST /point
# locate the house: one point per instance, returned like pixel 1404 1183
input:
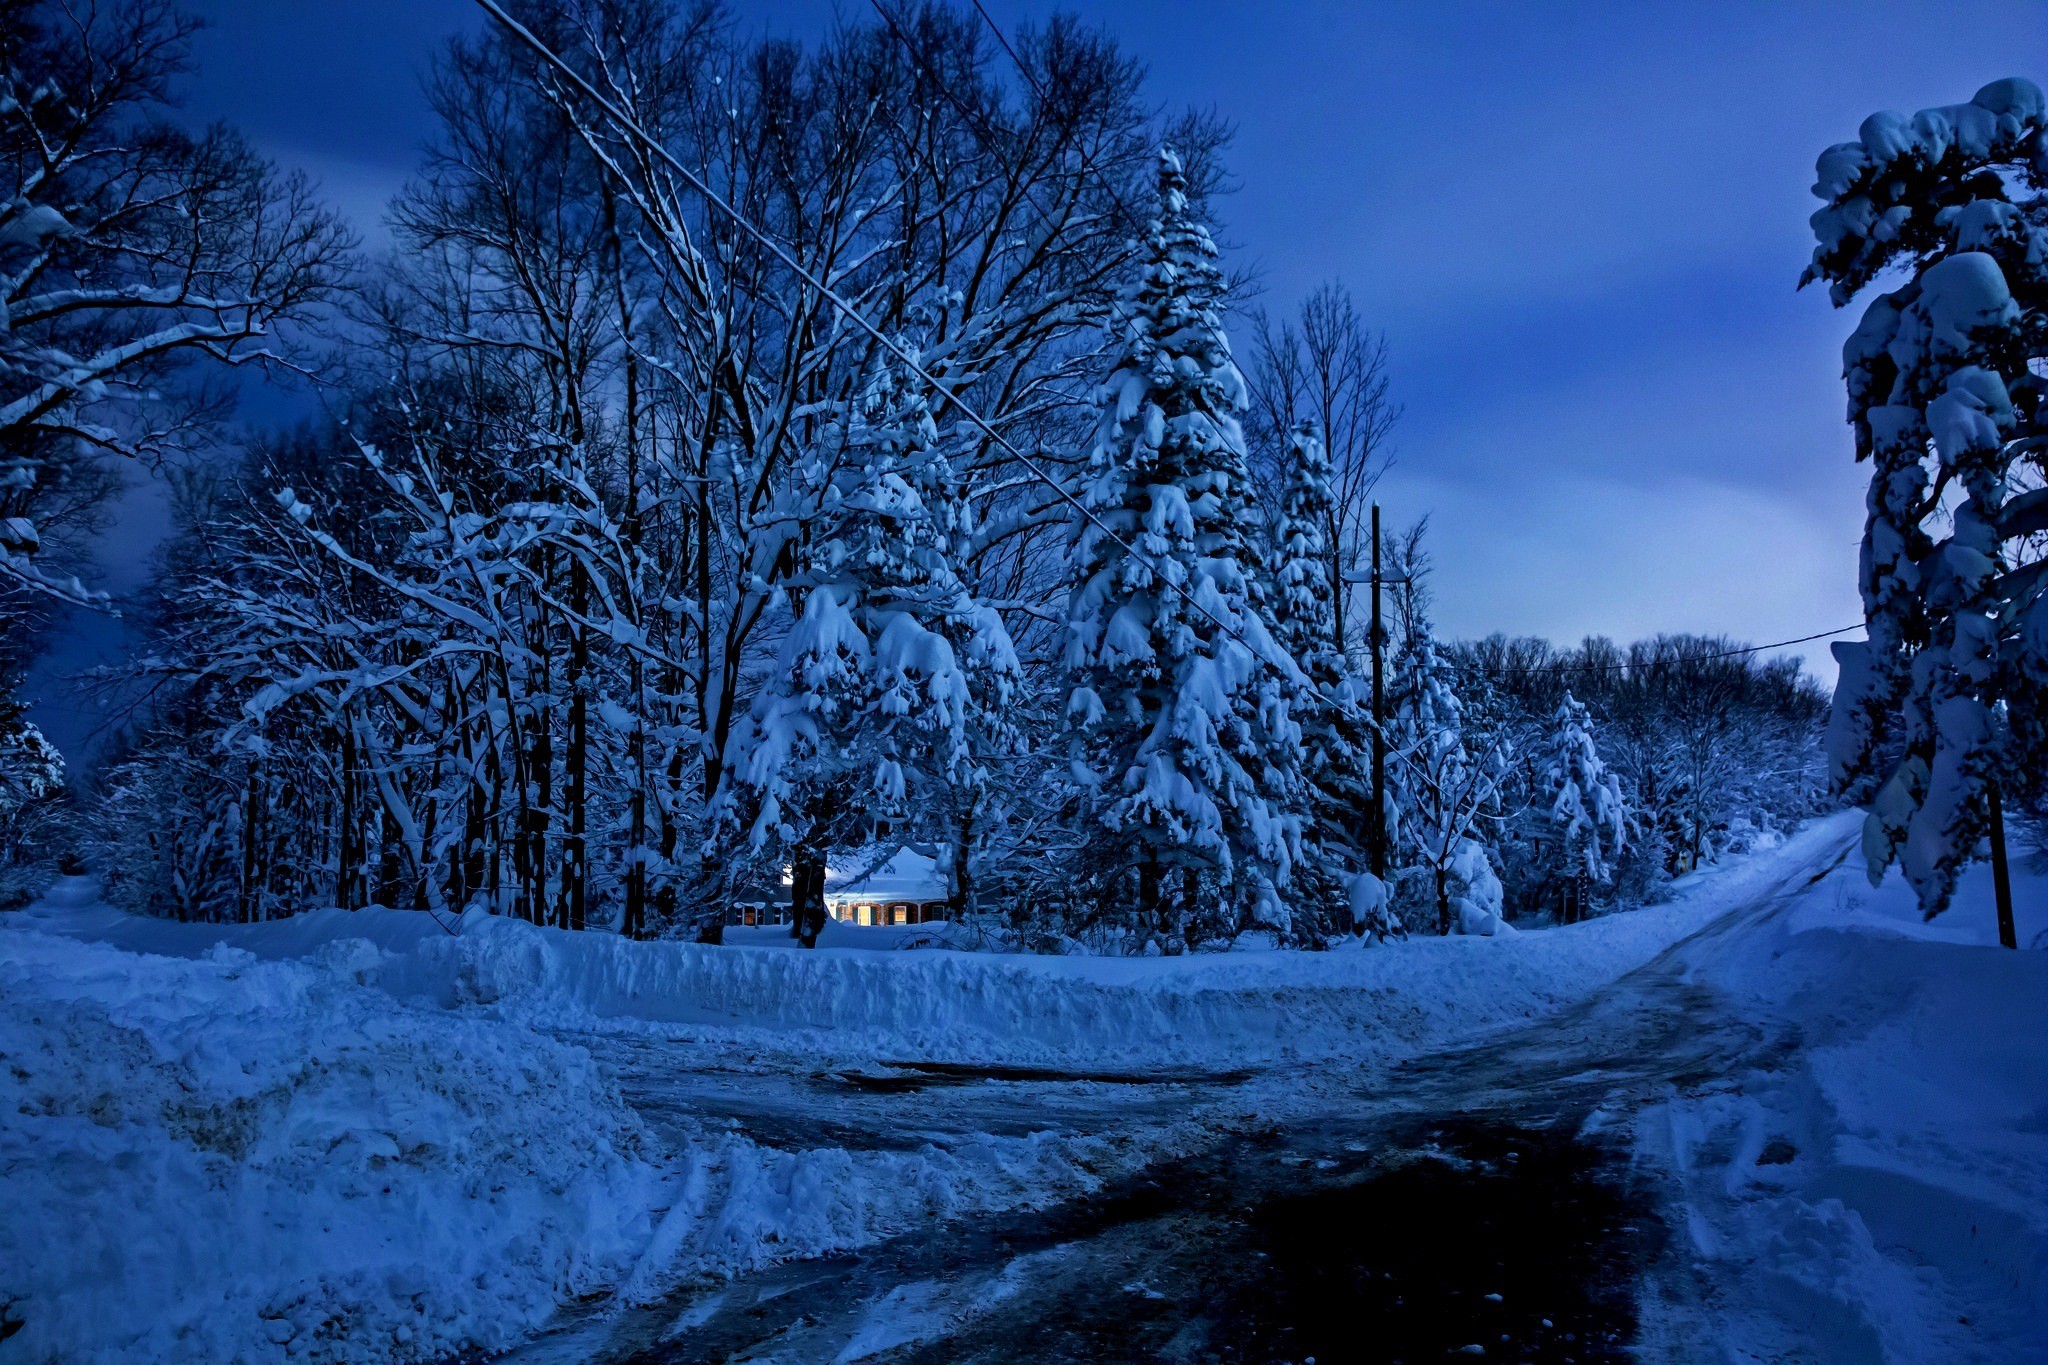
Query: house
pixel 756 903
pixel 905 888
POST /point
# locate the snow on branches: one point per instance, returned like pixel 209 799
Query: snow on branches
pixel 1586 806
pixel 1181 719
pixel 893 684
pixel 133 255
pixel 1444 796
pixel 1945 395
pixel 1335 728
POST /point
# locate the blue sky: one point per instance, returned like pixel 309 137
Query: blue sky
pixel 1578 225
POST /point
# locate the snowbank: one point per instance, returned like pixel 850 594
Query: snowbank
pixel 1883 1194
pixel 1203 1010
pixel 353 1137
pixel 223 1159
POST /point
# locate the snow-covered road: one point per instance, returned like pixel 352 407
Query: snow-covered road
pixel 1481 1197
pixel 1775 1119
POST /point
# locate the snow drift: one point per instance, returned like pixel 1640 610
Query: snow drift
pixel 1882 1192
pixel 353 1137
pixel 223 1159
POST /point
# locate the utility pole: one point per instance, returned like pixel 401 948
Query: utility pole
pixel 1376 850
pixel 2001 875
pixel 1378 827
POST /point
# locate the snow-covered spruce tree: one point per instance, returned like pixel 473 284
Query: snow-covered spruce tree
pixel 892 686
pixel 1180 715
pixel 1945 396
pixel 31 801
pixel 1443 795
pixel 1586 811
pixel 1335 738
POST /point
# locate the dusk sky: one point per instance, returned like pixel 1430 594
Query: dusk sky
pixel 1579 227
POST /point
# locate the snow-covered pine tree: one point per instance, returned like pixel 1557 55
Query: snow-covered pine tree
pixel 1945 397
pixel 1442 793
pixel 1586 810
pixel 1180 715
pixel 1335 740
pixel 893 684
pixel 31 790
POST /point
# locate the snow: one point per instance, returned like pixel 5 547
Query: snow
pixel 1882 1193
pixel 905 875
pixel 846 1000
pixel 184 1102
pixel 214 1155
pixel 218 1158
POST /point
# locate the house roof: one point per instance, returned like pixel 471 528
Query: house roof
pixel 907 875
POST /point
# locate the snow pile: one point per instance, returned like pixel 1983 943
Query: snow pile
pixel 1217 1010
pixel 224 1159
pixel 1882 1195
pixel 344 1137
pixel 1220 1010
pixel 216 1157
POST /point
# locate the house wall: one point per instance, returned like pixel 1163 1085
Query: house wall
pixel 854 910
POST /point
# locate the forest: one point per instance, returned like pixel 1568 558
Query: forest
pixel 826 688
pixel 754 460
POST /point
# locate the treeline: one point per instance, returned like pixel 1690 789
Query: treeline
pixel 1714 750
pixel 629 572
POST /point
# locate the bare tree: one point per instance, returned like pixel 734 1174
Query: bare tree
pixel 1326 365
pixel 133 256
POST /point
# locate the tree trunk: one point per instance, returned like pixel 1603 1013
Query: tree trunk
pixel 475 833
pixel 2001 874
pixel 576 763
pixel 633 922
pixel 252 832
pixel 350 854
pixel 390 863
pixel 1149 911
pixel 541 755
pixel 807 894
pixel 961 901
pixel 495 868
pixel 633 919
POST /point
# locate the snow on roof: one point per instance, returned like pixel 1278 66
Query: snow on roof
pixel 907 876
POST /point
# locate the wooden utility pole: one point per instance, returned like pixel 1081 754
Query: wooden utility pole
pixel 2001 875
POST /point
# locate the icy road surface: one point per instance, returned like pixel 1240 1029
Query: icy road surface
pixel 1477 1202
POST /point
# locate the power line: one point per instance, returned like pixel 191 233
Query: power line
pixel 628 124
pixel 1285 665
pixel 1109 185
pixel 984 133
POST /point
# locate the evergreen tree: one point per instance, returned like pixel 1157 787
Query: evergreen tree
pixel 1945 396
pixel 1586 809
pixel 1182 729
pixel 1443 795
pixel 1335 738
pixel 892 685
pixel 31 798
